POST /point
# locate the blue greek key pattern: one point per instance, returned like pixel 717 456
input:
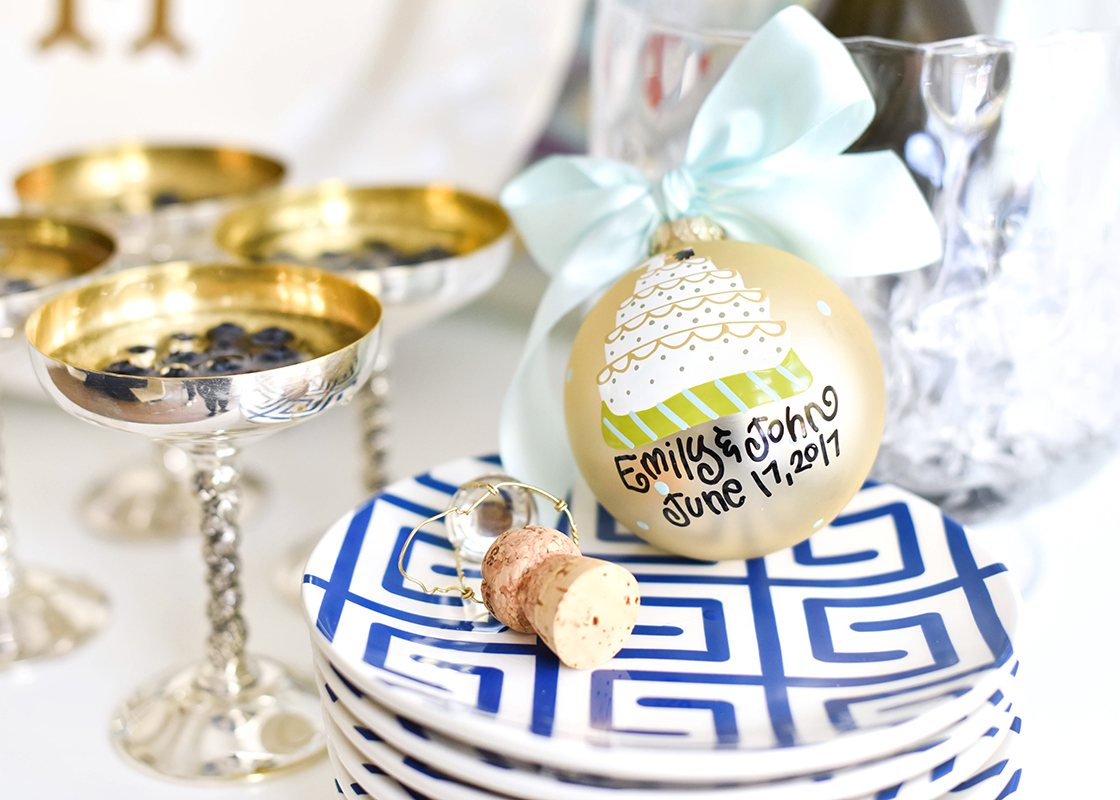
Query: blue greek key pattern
pixel 984 765
pixel 868 624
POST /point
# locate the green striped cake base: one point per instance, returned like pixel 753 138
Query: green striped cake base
pixel 708 401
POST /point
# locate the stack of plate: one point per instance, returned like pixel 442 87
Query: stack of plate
pixel 875 660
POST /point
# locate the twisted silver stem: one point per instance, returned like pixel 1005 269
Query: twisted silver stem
pixel 375 414
pixel 215 483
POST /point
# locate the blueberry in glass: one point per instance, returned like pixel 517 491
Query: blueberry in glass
pixel 378 247
pixel 271 337
pixel 127 368
pixel 334 260
pixel 277 356
pixel 188 358
pixel 125 377
pixel 433 254
pixel 225 333
pixel 16 285
pixel 226 350
pixel 226 365
pixel 166 198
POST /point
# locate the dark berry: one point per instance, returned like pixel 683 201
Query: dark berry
pixel 380 248
pixel 127 368
pixel 225 347
pixel 421 256
pixel 189 358
pixel 433 254
pixel 335 260
pixel 271 337
pixel 681 255
pixel 140 349
pixel 176 371
pixel 166 198
pixel 226 332
pixel 182 336
pixel 17 285
pixel 404 260
pixel 226 365
pixel 276 356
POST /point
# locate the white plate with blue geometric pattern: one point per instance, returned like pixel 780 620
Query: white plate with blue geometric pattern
pixel 881 630
pixel 346 784
pixel 368 785
pixel 922 774
pixel 998 778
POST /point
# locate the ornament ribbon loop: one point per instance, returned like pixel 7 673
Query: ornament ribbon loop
pixel 765 160
pixel 675 191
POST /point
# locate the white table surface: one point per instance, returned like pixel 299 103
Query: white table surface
pixel 449 379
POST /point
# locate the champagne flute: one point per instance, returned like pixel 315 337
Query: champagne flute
pixel 42 614
pixel 234 715
pixel 162 202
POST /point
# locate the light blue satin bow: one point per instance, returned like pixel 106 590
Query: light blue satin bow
pixel 764 160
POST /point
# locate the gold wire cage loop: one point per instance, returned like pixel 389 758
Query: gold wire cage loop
pixel 492 490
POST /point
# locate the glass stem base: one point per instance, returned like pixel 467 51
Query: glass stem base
pixel 43 615
pixel 374 409
pixel 253 719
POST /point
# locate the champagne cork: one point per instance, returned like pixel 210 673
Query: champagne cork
pixel 584 609
pixel 506 563
pixel 535 581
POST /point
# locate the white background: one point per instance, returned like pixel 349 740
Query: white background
pixel 414 90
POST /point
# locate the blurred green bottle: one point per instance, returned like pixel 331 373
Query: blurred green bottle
pixel 915 21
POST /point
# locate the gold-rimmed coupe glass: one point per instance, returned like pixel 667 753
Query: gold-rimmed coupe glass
pixel 161 201
pixel 233 715
pixel 42 614
pixel 423 250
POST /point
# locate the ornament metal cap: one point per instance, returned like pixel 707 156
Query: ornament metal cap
pixel 680 232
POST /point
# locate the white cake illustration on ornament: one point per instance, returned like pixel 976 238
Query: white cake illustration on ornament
pixel 692 343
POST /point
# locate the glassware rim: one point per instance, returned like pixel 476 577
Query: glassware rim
pixel 965 44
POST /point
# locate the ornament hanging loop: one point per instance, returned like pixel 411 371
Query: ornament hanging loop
pixel 465 592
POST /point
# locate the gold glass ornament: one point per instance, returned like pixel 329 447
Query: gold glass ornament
pixel 723 399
